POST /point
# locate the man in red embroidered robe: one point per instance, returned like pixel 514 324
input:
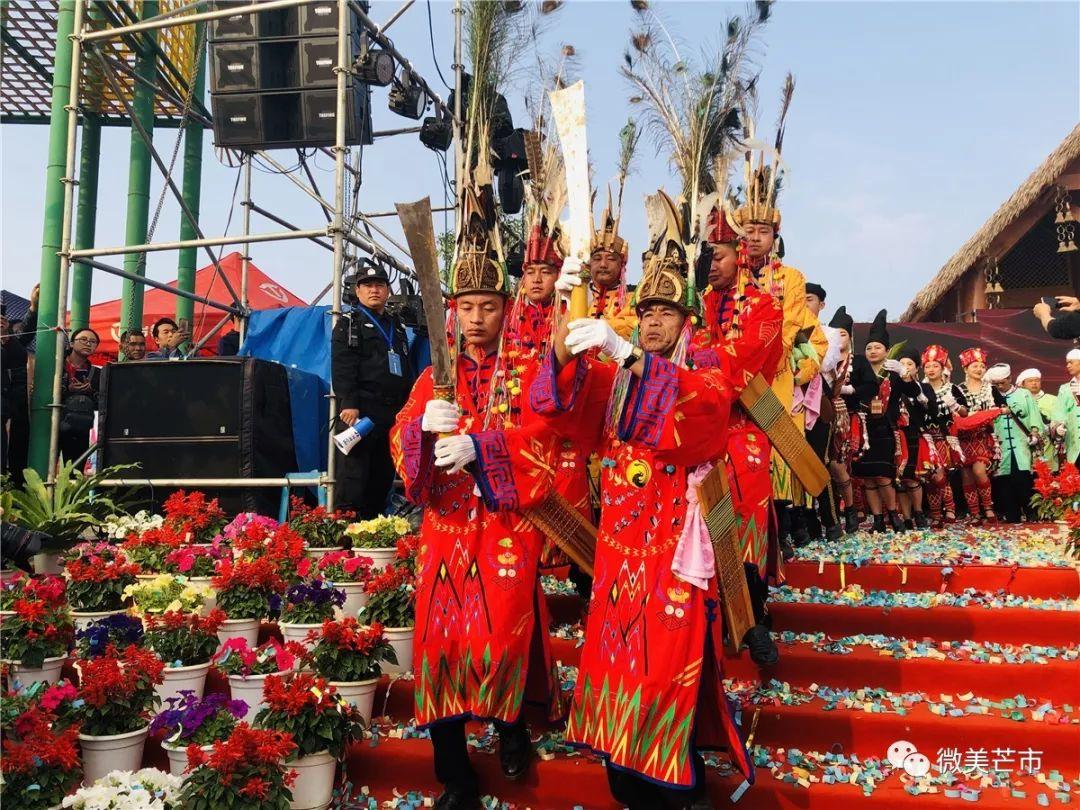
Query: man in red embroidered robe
pixel 649 692
pixel 481 621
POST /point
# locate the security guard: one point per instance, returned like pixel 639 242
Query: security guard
pixel 372 378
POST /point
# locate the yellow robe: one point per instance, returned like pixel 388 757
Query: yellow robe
pixel 788 285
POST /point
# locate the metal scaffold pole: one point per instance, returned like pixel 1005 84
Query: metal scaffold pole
pixel 138 203
pixel 57 219
pixel 245 262
pixel 191 189
pixel 82 277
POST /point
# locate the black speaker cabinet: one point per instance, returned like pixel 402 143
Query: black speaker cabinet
pixel 235 67
pixel 213 418
pixel 318 57
pixel 278 22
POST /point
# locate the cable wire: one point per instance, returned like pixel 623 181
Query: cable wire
pixel 431 35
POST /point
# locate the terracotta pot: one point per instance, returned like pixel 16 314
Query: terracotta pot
pixel 49 671
pixel 247 629
pixel 360 694
pixel 314 788
pixel 176 679
pixel 249 690
pixel 178 759
pixel 401 639
pixel 116 752
pixel 355 598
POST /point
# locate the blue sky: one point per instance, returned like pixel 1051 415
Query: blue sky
pixel 911 124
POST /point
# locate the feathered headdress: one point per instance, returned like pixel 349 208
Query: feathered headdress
pixel 666 278
pixel 545 195
pixel 606 237
pixel 763 168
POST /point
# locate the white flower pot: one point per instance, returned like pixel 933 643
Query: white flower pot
pixel 211 597
pixel 116 752
pixel 298 632
pixel 249 690
pixel 401 639
pixel 84 619
pixel 360 694
pixel 355 598
pixel 49 671
pixel 380 557
pixel 317 554
pixel 178 759
pixel 47 562
pixel 247 629
pixel 177 679
pixel 314 786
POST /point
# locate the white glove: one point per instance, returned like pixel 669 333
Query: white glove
pixel 948 400
pixel 847 390
pixel 440 416
pixel 570 275
pixel 454 452
pixel 1060 429
pixel 596 333
pixel 894 366
pixel 1034 439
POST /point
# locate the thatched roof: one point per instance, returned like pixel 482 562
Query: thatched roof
pixel 975 248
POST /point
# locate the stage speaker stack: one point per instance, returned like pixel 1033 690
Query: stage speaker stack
pixel 211 418
pixel 272 80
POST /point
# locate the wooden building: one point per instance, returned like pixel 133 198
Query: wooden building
pixel 1027 249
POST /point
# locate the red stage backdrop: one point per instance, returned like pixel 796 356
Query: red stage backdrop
pixel 263 293
pixel 1011 336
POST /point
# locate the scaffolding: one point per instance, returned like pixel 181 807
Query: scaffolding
pixel 128 53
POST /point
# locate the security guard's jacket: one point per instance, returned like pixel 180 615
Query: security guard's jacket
pixel 363 369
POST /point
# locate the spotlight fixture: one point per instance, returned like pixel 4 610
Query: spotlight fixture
pixel 407 98
pixel 436 133
pixel 374 66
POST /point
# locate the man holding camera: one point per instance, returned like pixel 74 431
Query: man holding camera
pixel 1060 316
pixel 372 377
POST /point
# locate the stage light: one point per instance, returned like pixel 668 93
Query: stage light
pixel 375 67
pixel 435 133
pixel 407 98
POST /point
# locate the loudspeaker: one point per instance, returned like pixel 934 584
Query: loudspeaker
pixel 213 418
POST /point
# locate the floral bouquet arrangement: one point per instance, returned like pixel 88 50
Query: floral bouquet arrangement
pixel 98 574
pixel 237 658
pixel 344 566
pixel 166 592
pixel 40 626
pixel 39 750
pixel 1057 497
pixel 190 720
pixel 197 518
pixel 119 630
pixel 121 527
pixel 196 561
pixel 149 547
pixel 245 587
pixel 148 789
pixel 183 639
pixel 311 712
pixel 391 598
pixel 310 602
pixel 244 772
pixel 349 651
pixel 380 532
pixel 318 527
pixel 116 691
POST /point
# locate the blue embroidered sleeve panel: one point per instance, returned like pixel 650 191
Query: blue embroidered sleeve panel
pixel 555 392
pixel 649 400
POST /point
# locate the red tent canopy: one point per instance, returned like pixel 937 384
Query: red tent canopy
pixel 263 293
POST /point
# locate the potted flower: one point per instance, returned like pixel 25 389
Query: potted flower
pixel 197 564
pixel 392 603
pixel 191 720
pixel 349 573
pixel 321 530
pixel 149 548
pixel 408 547
pixel 244 588
pixel 120 631
pixel 377 538
pixel 121 527
pixel 148 789
pixel 115 696
pixel 248 530
pixel 98 575
pixel 185 642
pixel 36 637
pixel 39 750
pixel 306 606
pixel 166 592
pixel 247 668
pixel 197 518
pixel 321 724
pixel 349 655
pixel 245 772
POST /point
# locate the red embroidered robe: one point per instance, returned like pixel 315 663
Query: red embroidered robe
pixel 479 607
pixel 650 676
pixel 749 449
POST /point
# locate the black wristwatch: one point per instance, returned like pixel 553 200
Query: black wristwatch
pixel 636 354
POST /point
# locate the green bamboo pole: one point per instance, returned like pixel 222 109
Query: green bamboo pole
pixel 52 233
pixel 192 188
pixel 85 219
pixel 138 202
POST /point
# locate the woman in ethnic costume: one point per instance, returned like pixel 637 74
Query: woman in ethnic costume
pixel 847 428
pixel 951 402
pixel 981 450
pixel 922 458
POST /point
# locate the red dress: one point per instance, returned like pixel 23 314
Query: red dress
pixel 479 606
pixel 650 677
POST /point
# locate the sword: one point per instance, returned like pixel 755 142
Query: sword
pixel 568 109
